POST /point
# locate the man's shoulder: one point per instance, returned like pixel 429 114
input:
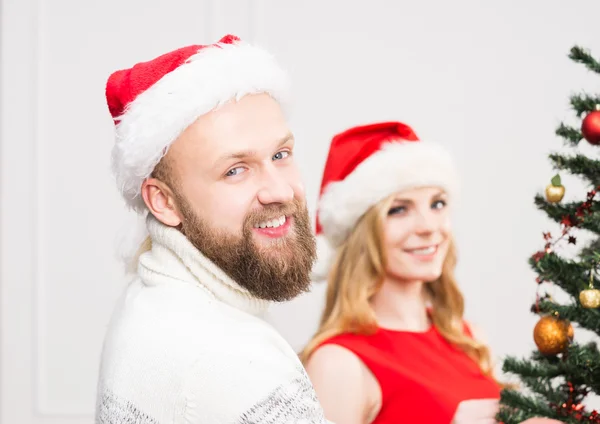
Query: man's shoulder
pixel 182 323
pixel 249 389
pixel 294 398
pixel 142 309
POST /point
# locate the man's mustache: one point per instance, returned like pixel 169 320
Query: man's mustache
pixel 270 212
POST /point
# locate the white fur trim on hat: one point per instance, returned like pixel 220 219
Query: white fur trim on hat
pixel 397 166
pixel 325 257
pixel 160 114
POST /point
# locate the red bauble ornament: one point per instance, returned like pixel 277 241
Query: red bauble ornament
pixel 590 127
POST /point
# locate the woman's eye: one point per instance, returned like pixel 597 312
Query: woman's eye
pixel 438 204
pixel 397 210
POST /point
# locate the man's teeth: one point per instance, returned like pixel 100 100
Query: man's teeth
pixel 274 223
pixel 424 251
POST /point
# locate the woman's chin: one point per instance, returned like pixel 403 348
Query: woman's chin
pixel 422 277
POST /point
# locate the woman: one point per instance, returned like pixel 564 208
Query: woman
pixel 392 346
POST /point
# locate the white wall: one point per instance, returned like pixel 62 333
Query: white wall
pixel 489 81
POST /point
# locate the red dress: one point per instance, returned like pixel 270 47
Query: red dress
pixel 422 377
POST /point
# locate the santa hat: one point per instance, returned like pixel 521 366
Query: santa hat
pixel 365 165
pixel 153 102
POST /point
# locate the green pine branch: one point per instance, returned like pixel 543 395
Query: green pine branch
pixel 591 250
pixel 582 104
pixel 570 276
pixel 544 388
pixel 571 135
pixel 580 55
pixel 528 368
pixel 582 365
pixel 517 407
pixel 581 165
pixel 557 211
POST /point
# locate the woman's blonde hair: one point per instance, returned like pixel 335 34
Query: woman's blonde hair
pixel 357 274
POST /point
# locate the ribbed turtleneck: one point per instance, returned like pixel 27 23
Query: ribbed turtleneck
pixel 173 255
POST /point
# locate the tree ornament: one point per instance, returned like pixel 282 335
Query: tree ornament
pixel 590 127
pixel 552 335
pixel 590 297
pixel 555 190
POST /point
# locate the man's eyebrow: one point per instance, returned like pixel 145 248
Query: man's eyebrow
pixel 249 153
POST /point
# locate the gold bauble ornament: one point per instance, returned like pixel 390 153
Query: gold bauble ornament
pixel 553 335
pixel 555 191
pixel 590 298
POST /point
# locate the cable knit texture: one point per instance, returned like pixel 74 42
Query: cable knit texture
pixel 186 344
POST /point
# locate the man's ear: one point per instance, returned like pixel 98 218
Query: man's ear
pixel 160 201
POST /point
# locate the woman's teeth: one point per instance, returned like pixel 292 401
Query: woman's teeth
pixel 424 251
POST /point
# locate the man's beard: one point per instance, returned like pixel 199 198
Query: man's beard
pixel 277 272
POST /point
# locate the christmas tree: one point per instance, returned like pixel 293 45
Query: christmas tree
pixel 556 379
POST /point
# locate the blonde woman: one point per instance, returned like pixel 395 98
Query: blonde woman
pixel 392 346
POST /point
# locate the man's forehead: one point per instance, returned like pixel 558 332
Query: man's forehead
pixel 262 146
pixel 253 123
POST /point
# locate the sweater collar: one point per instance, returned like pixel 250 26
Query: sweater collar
pixel 173 255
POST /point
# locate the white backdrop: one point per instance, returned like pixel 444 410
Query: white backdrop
pixel 491 82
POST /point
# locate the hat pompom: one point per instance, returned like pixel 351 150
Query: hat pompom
pixel 325 257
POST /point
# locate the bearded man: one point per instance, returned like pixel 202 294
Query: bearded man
pixel 204 151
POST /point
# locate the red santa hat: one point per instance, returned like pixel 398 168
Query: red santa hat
pixel 365 165
pixel 153 102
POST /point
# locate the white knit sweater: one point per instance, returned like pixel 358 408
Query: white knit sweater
pixel 186 344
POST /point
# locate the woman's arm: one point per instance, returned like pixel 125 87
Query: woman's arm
pixel 339 378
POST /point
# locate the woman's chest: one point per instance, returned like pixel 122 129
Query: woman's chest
pixel 426 381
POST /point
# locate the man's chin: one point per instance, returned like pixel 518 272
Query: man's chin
pixel 275 252
pixel 273 243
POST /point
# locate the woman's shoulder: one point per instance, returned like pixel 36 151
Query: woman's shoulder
pixel 331 358
pixel 341 378
pixel 333 367
pixel 344 354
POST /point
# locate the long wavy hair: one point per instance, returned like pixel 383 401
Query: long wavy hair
pixel 357 274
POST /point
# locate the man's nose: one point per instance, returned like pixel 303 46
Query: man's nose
pixel 274 188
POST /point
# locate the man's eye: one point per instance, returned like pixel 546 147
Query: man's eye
pixel 281 155
pixel 234 171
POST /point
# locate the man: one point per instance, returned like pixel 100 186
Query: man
pixel 204 149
